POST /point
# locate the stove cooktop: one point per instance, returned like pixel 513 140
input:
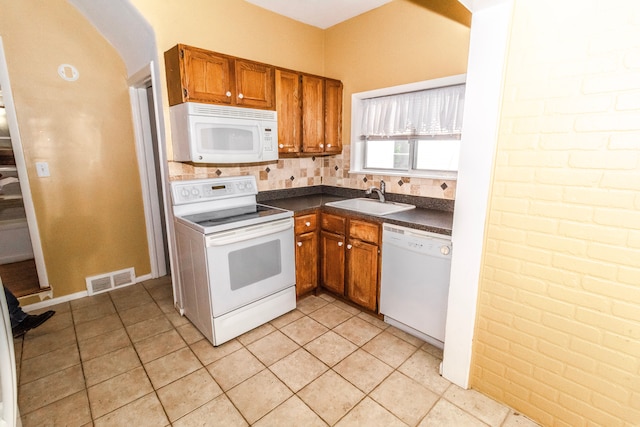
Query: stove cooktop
pixel 226 219
pixel 227 216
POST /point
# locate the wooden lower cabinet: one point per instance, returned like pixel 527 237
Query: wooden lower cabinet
pixel 332 260
pixel 306 238
pixel 350 259
pixel 362 274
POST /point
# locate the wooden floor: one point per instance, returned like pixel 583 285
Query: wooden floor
pixel 21 278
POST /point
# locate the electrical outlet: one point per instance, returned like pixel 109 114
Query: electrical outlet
pixel 42 168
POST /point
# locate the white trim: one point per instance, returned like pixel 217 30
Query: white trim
pixel 54 301
pixel 66 298
pixel 21 166
pixel 487 52
pixel 148 179
pixel 144 278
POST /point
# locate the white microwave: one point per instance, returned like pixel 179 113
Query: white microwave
pixel 208 133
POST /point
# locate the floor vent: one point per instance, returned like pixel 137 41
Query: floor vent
pixel 109 281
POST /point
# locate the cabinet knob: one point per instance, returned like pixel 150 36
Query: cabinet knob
pixel 240 96
pixel 328 145
pixel 228 94
pixel 308 224
pixel 321 145
pixel 349 246
pixel 299 243
pixel 340 243
pixel 280 145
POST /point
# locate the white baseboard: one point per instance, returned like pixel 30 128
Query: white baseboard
pixel 71 297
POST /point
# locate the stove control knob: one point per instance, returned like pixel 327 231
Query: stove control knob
pixel 185 192
pixel 195 192
pixel 249 185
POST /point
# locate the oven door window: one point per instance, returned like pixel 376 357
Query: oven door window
pixel 243 269
pixel 266 261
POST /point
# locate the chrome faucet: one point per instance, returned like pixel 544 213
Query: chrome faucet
pixel 379 191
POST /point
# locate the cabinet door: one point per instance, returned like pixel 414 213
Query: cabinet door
pixel 288 106
pixel 306 262
pixel 255 85
pixel 332 260
pixel 362 275
pixel 207 76
pixel 312 114
pixel 333 116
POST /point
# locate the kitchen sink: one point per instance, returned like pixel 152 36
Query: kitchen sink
pixel 371 206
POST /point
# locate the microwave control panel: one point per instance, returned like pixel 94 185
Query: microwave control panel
pixel 268 138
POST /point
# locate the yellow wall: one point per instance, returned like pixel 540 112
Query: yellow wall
pixel 558 323
pixel 89 211
pixel 399 43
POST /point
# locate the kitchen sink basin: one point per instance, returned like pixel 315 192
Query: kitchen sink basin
pixel 371 206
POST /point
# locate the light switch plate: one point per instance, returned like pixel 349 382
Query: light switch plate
pixel 42 168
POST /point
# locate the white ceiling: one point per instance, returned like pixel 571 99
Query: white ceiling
pixel 319 13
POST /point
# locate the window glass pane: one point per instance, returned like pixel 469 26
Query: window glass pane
pixel 387 154
pixel 437 154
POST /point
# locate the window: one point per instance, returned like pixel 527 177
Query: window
pixel 411 130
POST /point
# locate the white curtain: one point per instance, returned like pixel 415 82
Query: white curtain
pixel 428 112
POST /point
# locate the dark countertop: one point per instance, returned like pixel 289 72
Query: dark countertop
pixel 425 217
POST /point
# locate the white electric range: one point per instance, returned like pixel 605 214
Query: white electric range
pixel 236 258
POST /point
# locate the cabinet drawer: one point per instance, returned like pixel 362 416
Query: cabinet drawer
pixel 365 231
pixel 305 223
pixel 333 223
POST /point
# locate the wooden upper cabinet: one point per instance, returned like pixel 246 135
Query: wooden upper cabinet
pixel 254 85
pixel 309 114
pixel 199 75
pixel 288 106
pixel 333 116
pixel 312 114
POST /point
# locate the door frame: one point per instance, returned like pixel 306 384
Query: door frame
pixel 21 167
pixel 152 201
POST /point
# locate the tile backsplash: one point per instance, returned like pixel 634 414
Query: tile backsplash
pixel 309 171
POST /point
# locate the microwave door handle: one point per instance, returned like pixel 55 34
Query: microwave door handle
pixel 248 233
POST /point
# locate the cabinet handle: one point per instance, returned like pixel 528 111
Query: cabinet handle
pixel 240 96
pixel 280 145
pixel 340 243
pixel 308 224
pixel 299 243
pixel 228 94
pixel 349 246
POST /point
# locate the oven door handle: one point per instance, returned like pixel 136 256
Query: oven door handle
pixel 248 233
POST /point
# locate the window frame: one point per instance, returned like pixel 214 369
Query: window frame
pixel 358 155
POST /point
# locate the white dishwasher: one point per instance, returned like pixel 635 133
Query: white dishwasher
pixel 416 267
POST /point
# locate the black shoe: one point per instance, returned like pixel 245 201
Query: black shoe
pixel 31 322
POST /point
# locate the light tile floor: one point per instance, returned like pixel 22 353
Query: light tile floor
pixel 128 358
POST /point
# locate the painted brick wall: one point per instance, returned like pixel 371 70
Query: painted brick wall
pixel 558 327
